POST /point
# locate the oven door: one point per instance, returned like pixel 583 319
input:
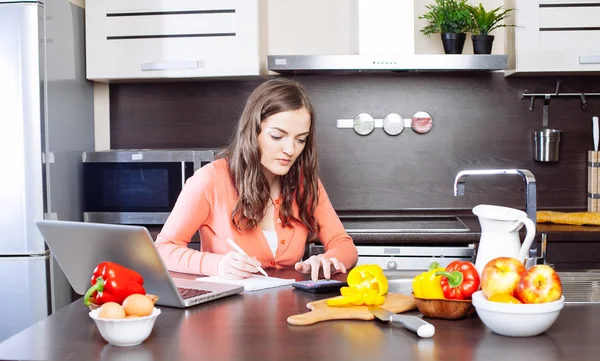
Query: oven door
pixel 413 258
pixel 132 192
pixel 401 259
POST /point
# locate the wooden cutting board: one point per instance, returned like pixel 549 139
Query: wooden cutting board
pixel 319 311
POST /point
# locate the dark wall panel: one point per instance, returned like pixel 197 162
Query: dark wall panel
pixel 175 115
pixel 480 121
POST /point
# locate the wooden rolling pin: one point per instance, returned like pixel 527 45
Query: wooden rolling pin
pixel 574 218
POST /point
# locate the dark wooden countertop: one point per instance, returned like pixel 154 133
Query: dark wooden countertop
pixel 252 326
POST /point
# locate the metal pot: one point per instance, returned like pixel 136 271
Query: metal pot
pixel 546 145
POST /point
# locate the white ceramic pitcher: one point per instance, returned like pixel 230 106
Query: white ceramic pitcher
pixel 500 234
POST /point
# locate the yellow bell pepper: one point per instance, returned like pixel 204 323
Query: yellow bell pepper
pixel 367 285
pixel 428 284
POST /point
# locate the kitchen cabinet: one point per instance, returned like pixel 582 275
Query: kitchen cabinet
pixel 152 39
pixel 554 36
pixel 192 39
pixel 568 256
pixel 332 30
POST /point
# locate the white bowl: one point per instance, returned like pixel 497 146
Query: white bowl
pixel 517 320
pixel 125 331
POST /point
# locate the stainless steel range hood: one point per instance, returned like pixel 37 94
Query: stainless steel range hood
pixel 382 63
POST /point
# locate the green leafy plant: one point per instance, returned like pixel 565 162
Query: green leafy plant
pixel 486 21
pixel 448 16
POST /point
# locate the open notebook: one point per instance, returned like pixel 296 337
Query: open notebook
pixel 252 283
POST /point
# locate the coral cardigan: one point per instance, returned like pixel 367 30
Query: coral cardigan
pixel 206 203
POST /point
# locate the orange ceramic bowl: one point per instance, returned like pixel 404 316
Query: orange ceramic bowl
pixel 444 309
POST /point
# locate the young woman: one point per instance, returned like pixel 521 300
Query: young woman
pixel 263 193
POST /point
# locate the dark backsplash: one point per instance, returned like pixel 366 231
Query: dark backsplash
pixel 480 121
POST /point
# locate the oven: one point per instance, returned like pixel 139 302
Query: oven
pixel 382 238
pixel 137 186
pixel 412 257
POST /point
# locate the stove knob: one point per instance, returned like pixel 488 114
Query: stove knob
pixel 392 265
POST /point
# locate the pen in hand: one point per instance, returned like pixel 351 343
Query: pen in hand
pixel 238 249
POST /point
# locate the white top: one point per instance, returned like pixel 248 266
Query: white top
pixel 271 237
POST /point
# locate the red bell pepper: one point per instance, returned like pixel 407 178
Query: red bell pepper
pixel 459 281
pixel 112 282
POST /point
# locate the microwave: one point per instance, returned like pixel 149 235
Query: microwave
pixel 137 186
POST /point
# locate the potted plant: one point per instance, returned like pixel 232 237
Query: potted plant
pixel 452 19
pixel 483 23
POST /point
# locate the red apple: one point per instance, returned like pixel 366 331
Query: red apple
pixel 501 275
pixel 539 284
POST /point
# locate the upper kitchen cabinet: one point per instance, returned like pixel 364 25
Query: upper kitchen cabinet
pixel 333 27
pixel 152 39
pixel 554 36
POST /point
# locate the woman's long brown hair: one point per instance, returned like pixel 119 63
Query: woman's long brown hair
pixel 243 154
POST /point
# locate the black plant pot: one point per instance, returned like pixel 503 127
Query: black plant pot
pixel 482 44
pixel 453 43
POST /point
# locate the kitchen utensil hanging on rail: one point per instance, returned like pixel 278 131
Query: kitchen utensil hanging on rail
pixel 546 141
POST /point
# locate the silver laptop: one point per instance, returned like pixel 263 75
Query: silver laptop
pixel 79 247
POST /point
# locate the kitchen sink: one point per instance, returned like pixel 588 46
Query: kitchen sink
pixel 403 224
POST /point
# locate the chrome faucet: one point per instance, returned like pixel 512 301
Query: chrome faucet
pixel 530 191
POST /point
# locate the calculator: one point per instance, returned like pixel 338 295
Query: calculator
pixel 320 286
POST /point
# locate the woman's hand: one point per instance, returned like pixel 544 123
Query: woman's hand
pixel 235 266
pixel 314 263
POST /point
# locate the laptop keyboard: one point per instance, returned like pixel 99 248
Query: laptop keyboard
pixel 191 292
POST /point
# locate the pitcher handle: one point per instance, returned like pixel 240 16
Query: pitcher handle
pixel 529 237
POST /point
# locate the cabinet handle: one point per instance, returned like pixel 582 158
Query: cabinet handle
pixel 589 59
pixel 172 65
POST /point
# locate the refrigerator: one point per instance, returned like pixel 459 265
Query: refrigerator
pixel 46 122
